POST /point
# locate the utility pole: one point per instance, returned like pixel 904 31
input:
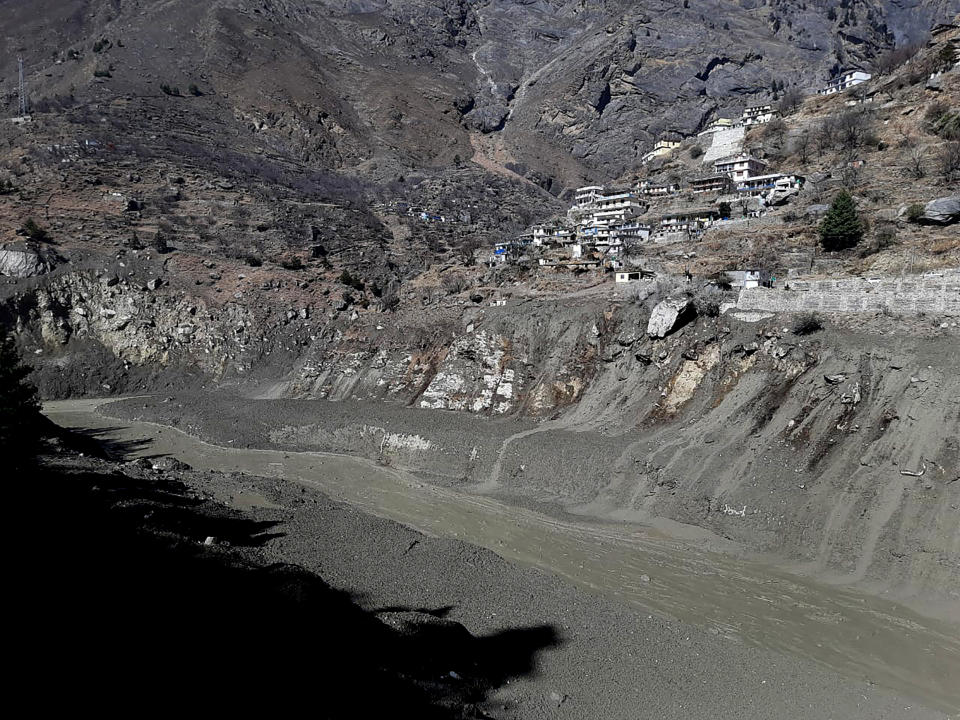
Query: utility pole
pixel 23 92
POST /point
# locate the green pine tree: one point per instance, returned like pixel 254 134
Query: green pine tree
pixel 841 227
pixel 19 406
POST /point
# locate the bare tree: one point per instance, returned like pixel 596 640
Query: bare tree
pixel 467 249
pixel 855 128
pixel 775 131
pixel 454 282
pixel 950 162
pixel 826 134
pixel 790 100
pixel 917 163
pixel 801 146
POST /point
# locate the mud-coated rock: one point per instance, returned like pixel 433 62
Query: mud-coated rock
pixel 169 464
pixel 669 315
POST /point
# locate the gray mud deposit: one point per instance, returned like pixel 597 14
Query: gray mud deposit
pixel 858 635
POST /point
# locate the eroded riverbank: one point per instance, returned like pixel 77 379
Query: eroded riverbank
pixel 860 636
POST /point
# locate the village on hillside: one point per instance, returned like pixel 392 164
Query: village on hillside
pixel 730 185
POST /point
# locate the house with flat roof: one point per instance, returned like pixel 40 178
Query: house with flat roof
pixel 739 167
pixel 645 187
pixel 660 148
pixel 586 195
pixel 625 276
pixel 760 184
pixel 711 184
pixel 740 279
pixel 757 115
pixel 687 220
pixel 845 80
pixel 552 234
pixel 719 124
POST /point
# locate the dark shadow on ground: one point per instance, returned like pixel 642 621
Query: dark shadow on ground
pixel 96 442
pixel 131 610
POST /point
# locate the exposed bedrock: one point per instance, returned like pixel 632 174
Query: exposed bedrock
pixel 840 449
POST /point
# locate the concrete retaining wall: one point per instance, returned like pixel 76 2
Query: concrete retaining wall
pixel 934 294
pixel 725 143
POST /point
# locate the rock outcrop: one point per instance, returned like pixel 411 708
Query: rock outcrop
pixel 22 263
pixel 942 211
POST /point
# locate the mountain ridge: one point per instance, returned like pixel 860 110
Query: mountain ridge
pixel 567 91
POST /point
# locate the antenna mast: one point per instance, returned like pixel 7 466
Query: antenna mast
pixel 23 92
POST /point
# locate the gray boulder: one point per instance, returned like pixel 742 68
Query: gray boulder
pixel 669 315
pixel 22 263
pixel 169 464
pixel 487 119
pixel 942 211
pixel 780 197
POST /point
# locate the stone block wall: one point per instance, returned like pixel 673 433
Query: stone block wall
pixel 725 143
pixel 933 294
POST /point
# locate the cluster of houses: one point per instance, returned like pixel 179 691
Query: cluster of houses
pixel 754 115
pixel 597 226
pixel 761 114
pixel 603 221
pixel 746 176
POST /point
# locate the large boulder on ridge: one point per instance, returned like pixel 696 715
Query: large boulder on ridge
pixel 668 315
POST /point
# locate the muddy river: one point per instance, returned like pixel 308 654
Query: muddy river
pixel 856 634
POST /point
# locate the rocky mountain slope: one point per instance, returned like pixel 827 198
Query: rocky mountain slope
pixel 559 91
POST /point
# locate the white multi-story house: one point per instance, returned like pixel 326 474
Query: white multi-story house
pixel 845 80
pixel 759 184
pixel 739 167
pixel 757 115
pixel 645 187
pixel 552 234
pixel 586 195
pixel 719 124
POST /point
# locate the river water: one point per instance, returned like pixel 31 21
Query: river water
pixel 858 635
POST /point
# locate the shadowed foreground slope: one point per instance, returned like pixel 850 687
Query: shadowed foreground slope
pixel 132 604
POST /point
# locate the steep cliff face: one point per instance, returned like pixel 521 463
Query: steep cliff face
pixel 104 332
